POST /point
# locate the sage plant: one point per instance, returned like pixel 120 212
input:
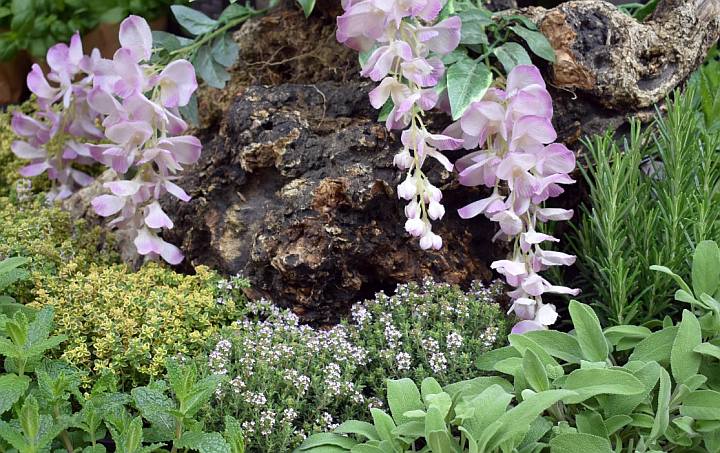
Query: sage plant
pixel 122 113
pixel 510 128
pixel 406 45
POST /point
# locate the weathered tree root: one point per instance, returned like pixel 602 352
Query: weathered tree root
pixel 610 66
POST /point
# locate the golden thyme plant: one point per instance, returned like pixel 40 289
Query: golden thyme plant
pixel 129 323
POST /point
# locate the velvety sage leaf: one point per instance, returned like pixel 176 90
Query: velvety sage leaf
pixel 558 344
pixel 474 22
pixel 467 80
pixel 517 421
pixel 656 347
pixel 672 274
pixel 403 396
pixel 590 422
pixel 588 332
pixel 204 442
pixel 365 448
pixel 537 42
pixel 308 6
pixel 617 333
pixel 708 349
pixel 225 50
pixel 534 372
pixel 523 343
pixel 334 442
pixel 193 21
pixel 701 405
pixel 430 386
pixel 579 442
pixel 511 54
pixel 358 428
pixel 591 382
pixel 442 441
pixel 481 411
pixel 685 362
pixel 384 424
pixel 441 401
pixel 412 430
pixel 648 374
pixel 487 361
pixel 12 388
pixel 616 423
pixel 706 268
pixel 476 386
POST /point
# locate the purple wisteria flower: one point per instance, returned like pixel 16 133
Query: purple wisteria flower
pixel 512 128
pixel 406 46
pixel 136 103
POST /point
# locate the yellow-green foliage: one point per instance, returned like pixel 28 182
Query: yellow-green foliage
pixel 129 323
pixel 50 238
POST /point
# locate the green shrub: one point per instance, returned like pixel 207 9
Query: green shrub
pixel 652 199
pixel 626 388
pixel 285 380
pixel 129 323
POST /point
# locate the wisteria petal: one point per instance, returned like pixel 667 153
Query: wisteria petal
pixel 136 36
pixel 24 150
pixel 31 170
pixel 177 84
pixel 123 188
pixel 443 37
pixel 147 242
pixel 171 254
pixel 554 214
pixel 107 205
pixel 526 326
pixel 522 76
pixel 477 207
pixel 155 217
pixel 546 315
pixel 39 85
pixel 175 190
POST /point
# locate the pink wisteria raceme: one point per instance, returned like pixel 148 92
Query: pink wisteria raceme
pixel 405 46
pixel 518 160
pixel 131 106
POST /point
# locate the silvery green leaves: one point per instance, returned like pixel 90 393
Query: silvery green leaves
pixel 467 82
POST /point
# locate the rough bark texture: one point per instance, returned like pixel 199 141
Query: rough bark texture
pixel 297 192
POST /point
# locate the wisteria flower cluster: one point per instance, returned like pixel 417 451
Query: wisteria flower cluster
pixel 122 113
pixel 518 160
pixel 511 127
pixel 406 61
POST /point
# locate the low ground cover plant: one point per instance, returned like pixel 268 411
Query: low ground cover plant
pixel 43 408
pixel 285 380
pixel 625 388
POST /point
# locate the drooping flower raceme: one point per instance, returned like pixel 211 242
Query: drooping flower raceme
pixel 404 45
pixel 132 107
pixel 518 160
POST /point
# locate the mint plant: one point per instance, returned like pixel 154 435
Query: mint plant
pixel 39 398
pixel 424 56
pixel 11 271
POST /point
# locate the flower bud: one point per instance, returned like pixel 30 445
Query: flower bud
pixel 430 240
pixel 403 160
pixel 411 210
pixel 436 210
pixel 415 227
pixel 407 189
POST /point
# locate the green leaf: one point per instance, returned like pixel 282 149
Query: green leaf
pixel 307 6
pixel 365 448
pixel 479 412
pixel 618 333
pixel 155 407
pixel 12 388
pixel 225 50
pixel 342 443
pixel 511 54
pixel 190 111
pixel 30 417
pixel 590 422
pixel 685 362
pixel 204 442
pixel 517 421
pixel 232 12
pixel 558 344
pixel 534 372
pixel 656 347
pixel 708 349
pixel 403 396
pixel 675 276
pixel 589 333
pixel 648 374
pixel 487 361
pixel 383 424
pixel 537 42
pixel 702 405
pixel 706 268
pixel 234 435
pixel 579 442
pixel 597 381
pixel 358 428
pixel 467 80
pixel 213 73
pixel 193 21
pixel 474 22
